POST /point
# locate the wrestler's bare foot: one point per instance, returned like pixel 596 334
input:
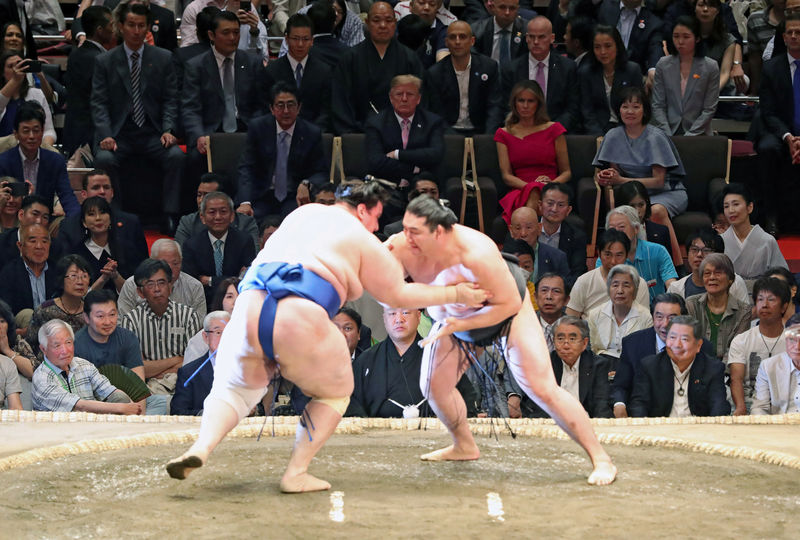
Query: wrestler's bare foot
pixel 451 453
pixel 180 468
pixel 302 483
pixel 603 474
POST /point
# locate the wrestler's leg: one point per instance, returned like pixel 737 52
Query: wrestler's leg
pixel 313 354
pixel 529 362
pixel 443 364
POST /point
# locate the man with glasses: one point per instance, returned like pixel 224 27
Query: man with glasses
pixel 311 75
pixel 34 210
pixel 556 231
pixel 163 328
pixel 282 158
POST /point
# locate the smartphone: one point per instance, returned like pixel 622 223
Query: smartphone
pixel 245 6
pixel 18 189
pixel 33 66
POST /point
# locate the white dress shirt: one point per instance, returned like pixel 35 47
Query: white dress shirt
pixel 680 404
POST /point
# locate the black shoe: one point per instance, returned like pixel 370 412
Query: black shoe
pixel 771 226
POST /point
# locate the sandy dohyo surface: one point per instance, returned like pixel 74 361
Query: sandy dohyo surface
pixel 524 487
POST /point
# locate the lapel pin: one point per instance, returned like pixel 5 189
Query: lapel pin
pixel 154 28
pixel 641 24
pixel 696 76
pixel 484 77
pixel 517 39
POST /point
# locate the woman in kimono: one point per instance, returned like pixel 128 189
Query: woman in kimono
pixel 638 151
pixel 751 249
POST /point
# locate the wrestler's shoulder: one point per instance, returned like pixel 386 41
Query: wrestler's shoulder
pixel 475 244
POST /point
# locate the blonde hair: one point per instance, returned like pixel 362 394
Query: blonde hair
pixel 540 117
pixel 397 80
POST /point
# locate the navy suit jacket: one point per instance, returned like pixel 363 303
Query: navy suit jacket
pixel 15 285
pixel 425 147
pixel 654 390
pixel 483 30
pixel 51 178
pixel 636 346
pixel 328 49
pixel 550 259
pixel 127 230
pixel 257 166
pixel 572 241
pixel 563 102
pixel 485 97
pixel 776 97
pixel 644 44
pixel 198 257
pixel 204 99
pixel 594 103
pixel 78 126
pixel 315 88
pixel 188 400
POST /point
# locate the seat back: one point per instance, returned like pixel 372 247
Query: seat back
pixel 704 159
pixel 224 152
pixel 354 155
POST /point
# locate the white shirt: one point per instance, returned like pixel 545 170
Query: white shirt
pixel 550 239
pixel 96 249
pixel 590 291
pixel 533 67
pixel 462 79
pixel 30 167
pixel 627 17
pixel 680 404
pixel 293 63
pixel 569 378
pixel 794 381
pixel 606 335
pixel 659 344
pixel 751 348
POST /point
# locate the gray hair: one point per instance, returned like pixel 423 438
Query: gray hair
pixel 624 269
pixel 213 196
pixel 50 328
pixel 218 315
pixel 577 322
pixel 165 243
pixel 688 320
pixel 632 215
pixel 719 261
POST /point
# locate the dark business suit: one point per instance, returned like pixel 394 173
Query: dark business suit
pixel 636 346
pixel 78 126
pixel 485 98
pixel 257 166
pixel 182 55
pixel 561 96
pixel 8 246
pixel 198 257
pixel 595 111
pixel 328 49
pixel 424 150
pixel 127 230
pixel 554 260
pixel 572 242
pixel 163 28
pixel 592 386
pixel 644 45
pixel 483 30
pixel 15 285
pixel 51 177
pixel 658 234
pixel 653 387
pixel 112 113
pixel 188 400
pixel 315 87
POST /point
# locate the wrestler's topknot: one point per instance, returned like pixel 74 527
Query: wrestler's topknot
pixel 434 213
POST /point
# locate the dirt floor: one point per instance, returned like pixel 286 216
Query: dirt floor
pixel 525 487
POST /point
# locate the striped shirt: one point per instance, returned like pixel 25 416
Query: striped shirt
pixel 165 336
pixel 50 391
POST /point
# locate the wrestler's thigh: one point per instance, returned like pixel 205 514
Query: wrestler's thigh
pixel 527 355
pixel 310 350
pixel 449 361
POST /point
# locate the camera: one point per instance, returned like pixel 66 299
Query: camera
pixel 33 66
pixel 18 189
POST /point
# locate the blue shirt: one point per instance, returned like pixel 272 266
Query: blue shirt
pixel 37 285
pixel 654 265
pixel 121 348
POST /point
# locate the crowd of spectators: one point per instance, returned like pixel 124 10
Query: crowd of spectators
pixel 641 334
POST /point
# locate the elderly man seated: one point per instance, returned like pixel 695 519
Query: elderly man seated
pixel 778 379
pixel 681 380
pixel 577 371
pixel 525 226
pixel 66 383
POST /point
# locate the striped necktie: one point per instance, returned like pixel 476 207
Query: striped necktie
pixel 136 90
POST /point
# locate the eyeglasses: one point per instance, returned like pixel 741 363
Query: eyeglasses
pixel 77 277
pixel 158 284
pixel 572 340
pixel 213 332
pixel 285 105
pixel 703 250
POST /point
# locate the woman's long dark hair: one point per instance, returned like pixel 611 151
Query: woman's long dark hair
pixel 628 191
pixel 8 316
pixel 622 54
pixel 718 28
pixel 4 56
pixel 100 204
pixel 221 290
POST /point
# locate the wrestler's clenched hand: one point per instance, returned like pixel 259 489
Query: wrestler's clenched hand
pixel 470 294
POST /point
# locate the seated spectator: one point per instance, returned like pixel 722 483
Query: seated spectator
pixel 14 346
pixel 324 194
pixel 719 315
pixel 282 158
pixel 185 289
pixel 590 290
pixel 651 260
pixel 423 33
pixel 465 86
pixel 604 73
pixel 750 348
pixel 127 229
pixel 653 161
pixel 182 55
pixel 577 371
pixel 10 387
pixel 72 278
pixel 10 203
pixel 531 150
pixel 557 232
pixel 699 244
pixel 681 380
pixel 578 38
pixel 750 249
pixel 253 37
pixel 160 28
pixel 440 12
pixel 387 374
pixel 267 228
pixel 327 19
pixel 348 321
pixel 191 224
pixel 785 275
pixel 64 382
pixel 15 91
pixel 525 227
pixel 634 194
pixel 552 295
pixel 26 282
pixel 34 211
pixel 160 316
pixel 44 169
pixel 221 251
pixel 686 87
pixel 225 296
pixel 196 377
pixel 618 317
pixel 501 34
pixel 776 388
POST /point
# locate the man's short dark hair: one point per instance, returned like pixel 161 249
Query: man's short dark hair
pixel 670 298
pixel 322 16
pixel 93 172
pixel 283 87
pixel 30 110
pixel 97 296
pixel 353 314
pixel 688 320
pixel 299 20
pixel 220 16
pixel 581 28
pixel 270 220
pixel 202 23
pixel 709 237
pixel 735 188
pixel 368 193
pixel 562 188
pixel 774 285
pixel 94 18
pixel 612 236
pixel 214 178
pixel 137 9
pixel 324 188
pixel 148 268
pixel 548 275
pixel 433 212
pixel 30 200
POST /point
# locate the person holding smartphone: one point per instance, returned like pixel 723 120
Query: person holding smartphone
pixel 15 90
pixel 11 193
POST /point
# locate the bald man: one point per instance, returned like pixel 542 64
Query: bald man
pixel 525 227
pixel 556 74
